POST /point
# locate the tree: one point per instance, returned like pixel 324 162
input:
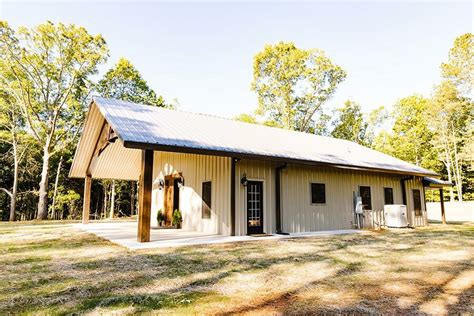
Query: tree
pixel 410 137
pixel 247 118
pixel 51 65
pixel 350 124
pixel 12 132
pixel 450 116
pixel 292 83
pixel 125 82
pixel 460 65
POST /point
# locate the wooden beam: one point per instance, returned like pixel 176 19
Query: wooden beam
pixel 144 196
pixel 87 199
pixel 441 199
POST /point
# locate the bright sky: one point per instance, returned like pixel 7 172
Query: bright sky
pixel 202 53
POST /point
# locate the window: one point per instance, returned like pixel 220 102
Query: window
pixel 366 197
pixel 388 195
pixel 417 202
pixel 206 200
pixel 318 193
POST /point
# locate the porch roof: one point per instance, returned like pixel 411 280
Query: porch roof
pixel 435 183
pixel 141 126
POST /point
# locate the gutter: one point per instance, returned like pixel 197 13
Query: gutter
pixel 278 198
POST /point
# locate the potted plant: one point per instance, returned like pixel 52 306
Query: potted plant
pixel 177 218
pixel 161 218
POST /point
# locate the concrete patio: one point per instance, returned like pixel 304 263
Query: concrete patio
pixel 125 234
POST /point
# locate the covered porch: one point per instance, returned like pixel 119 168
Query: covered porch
pixel 102 154
pixel 437 184
pixel 123 233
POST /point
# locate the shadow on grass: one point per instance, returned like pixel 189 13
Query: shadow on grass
pixel 126 271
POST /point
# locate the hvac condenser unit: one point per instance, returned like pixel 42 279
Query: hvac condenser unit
pixel 396 215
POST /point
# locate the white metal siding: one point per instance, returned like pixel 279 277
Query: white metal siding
pixel 258 171
pixel 195 170
pixel 422 220
pixel 299 215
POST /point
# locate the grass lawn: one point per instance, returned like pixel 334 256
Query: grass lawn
pixel 53 268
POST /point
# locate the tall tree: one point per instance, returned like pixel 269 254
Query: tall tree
pixel 125 82
pixel 460 65
pixel 292 83
pixel 449 116
pixel 410 137
pixel 13 133
pixel 350 123
pixel 51 65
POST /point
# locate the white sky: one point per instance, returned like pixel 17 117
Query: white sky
pixel 202 53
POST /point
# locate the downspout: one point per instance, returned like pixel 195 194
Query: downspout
pixel 278 199
pixel 232 196
pixel 404 194
pixel 404 191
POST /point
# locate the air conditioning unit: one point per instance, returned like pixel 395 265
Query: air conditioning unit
pixel 396 215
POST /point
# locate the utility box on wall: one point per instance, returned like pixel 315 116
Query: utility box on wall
pixel 396 215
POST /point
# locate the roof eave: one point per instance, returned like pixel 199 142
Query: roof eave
pixel 232 154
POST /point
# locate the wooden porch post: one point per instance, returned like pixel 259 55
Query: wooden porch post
pixel 87 200
pixel 144 196
pixel 441 199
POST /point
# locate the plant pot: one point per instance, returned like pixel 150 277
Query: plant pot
pixel 178 226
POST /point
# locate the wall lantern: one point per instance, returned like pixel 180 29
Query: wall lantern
pixel 161 184
pixel 180 182
pixel 244 180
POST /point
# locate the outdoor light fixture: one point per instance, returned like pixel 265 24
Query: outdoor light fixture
pixel 180 182
pixel 161 184
pixel 244 180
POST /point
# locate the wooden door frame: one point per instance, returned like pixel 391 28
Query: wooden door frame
pixel 169 182
pixel 262 182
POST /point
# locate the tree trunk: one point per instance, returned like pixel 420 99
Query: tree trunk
pixel 15 183
pixel 112 200
pixel 104 184
pixel 457 169
pixel 56 181
pixel 43 189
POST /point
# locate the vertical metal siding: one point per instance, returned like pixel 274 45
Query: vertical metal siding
pixel 259 171
pixel 195 170
pixel 299 215
pixel 416 183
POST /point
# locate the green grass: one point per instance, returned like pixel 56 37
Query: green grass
pixel 53 268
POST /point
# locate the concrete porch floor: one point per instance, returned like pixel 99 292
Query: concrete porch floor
pixel 125 234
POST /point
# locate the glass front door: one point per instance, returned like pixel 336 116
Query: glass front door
pixel 254 207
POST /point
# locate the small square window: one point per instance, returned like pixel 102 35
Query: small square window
pixel 318 193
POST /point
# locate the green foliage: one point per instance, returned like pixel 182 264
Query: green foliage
pixel 177 217
pixel 292 84
pixel 68 203
pixel 411 137
pixel 125 82
pixel 247 118
pixel 46 70
pixel 460 65
pixel 350 124
pixel 160 216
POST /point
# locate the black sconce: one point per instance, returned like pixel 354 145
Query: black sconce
pixel 161 184
pixel 244 180
pixel 180 182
